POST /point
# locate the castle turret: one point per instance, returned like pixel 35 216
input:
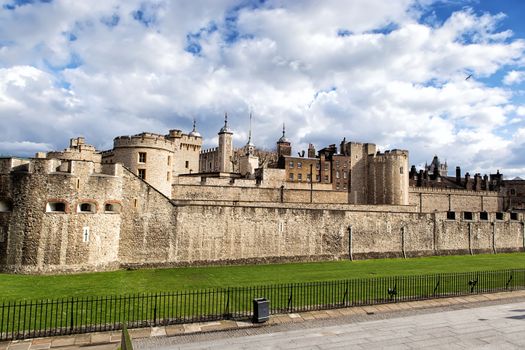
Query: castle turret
pixel 225 148
pixel 387 178
pixel 284 147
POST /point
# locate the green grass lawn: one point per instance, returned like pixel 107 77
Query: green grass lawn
pixel 156 280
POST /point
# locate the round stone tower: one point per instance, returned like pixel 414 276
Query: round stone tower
pixel 388 178
pixel 147 155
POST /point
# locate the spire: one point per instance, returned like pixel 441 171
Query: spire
pixel 283 138
pixel 225 128
pixel 194 131
pixel 250 130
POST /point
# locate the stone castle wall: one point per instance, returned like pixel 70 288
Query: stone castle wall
pixel 218 233
pixel 428 200
pixel 217 224
pixel 39 241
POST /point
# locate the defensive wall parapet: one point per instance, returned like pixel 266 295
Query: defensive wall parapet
pixel 144 140
pixel 437 199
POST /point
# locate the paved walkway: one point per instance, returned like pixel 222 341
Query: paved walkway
pixel 489 327
pixel 314 322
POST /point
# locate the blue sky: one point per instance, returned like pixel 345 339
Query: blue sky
pixel 392 73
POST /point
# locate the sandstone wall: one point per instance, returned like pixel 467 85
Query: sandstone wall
pixel 428 200
pixel 43 242
pixel 149 227
pixel 238 192
pixel 219 233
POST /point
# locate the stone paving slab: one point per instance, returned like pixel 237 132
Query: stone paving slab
pixel 429 327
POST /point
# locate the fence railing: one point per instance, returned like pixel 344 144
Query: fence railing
pixel 28 319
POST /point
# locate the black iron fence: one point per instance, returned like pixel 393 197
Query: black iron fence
pixel 28 319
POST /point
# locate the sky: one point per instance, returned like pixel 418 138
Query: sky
pixel 444 77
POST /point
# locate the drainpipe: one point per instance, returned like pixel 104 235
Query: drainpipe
pixel 350 242
pixel 469 238
pixel 523 227
pixel 403 242
pixel 494 238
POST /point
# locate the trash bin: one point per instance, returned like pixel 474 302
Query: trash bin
pixel 261 310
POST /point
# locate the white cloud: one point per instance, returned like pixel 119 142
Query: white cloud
pixel 514 77
pixel 73 67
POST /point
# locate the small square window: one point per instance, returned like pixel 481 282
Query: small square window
pixel 499 216
pixel 299 165
pixel 451 215
pixel 142 157
pixel 514 216
pixel 484 216
pixel 467 215
pixel 142 174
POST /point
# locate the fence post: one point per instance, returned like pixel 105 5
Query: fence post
pixel 155 311
pixel 71 316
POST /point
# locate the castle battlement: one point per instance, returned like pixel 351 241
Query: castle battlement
pixel 452 191
pixel 209 150
pixel 144 140
pixel 391 153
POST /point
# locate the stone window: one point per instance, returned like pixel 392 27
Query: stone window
pixel 326 178
pixel 451 215
pixel 337 174
pixel 317 177
pixel 56 207
pixel 401 170
pixel 344 187
pixel 326 166
pixel 308 177
pixel 317 166
pixel 337 164
pixel 169 160
pixel 467 215
pixel 168 176
pixel 299 177
pixel 484 216
pixel 112 208
pixel 142 157
pixel 514 216
pixel 291 164
pixel 299 165
pixel 5 206
pixel 86 208
pixel 85 234
pixel 499 216
pixel 142 174
pixel 344 174
pixel 187 164
pixel 291 176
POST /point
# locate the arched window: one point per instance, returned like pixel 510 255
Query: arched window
pixel 5 206
pixel 86 207
pixel 112 208
pixel 56 207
